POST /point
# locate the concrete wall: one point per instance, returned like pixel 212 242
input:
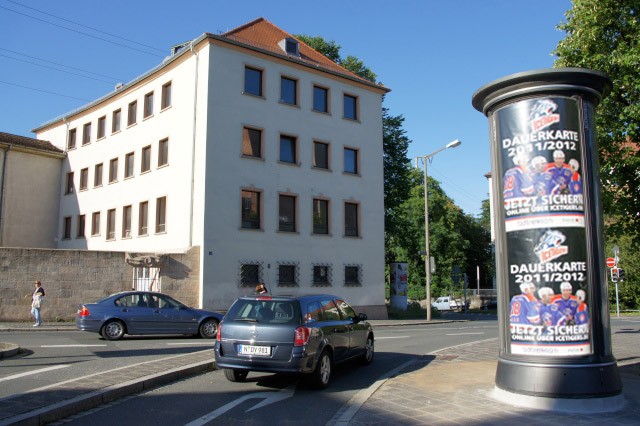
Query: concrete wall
pixel 71 277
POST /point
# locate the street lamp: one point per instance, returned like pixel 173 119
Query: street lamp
pixel 427 258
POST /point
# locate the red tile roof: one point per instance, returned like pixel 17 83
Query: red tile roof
pixel 264 35
pixel 23 141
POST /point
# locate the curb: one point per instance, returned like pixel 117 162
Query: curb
pixel 60 410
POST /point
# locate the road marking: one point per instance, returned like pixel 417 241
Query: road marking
pixel 268 398
pixel 69 346
pixel 461 334
pixel 392 337
pixel 29 373
pixel 192 343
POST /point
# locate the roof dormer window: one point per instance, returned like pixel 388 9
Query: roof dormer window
pixel 290 46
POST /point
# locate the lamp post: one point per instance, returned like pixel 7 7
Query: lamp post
pixel 427 266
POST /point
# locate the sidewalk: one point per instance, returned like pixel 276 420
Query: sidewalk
pixel 456 386
pixel 452 386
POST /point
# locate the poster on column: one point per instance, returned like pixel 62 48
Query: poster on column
pixel 540 160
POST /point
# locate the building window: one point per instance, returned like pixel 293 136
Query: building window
pixel 252 142
pixel 111 224
pixel 86 134
pixel 320 216
pixel 128 165
pixel 350 107
pixel 126 222
pixel 146 159
pixel 113 170
pixel 66 228
pixel 351 220
pixel 166 96
pixel 287 275
pixel 84 179
pixel 147 279
pixel 69 186
pixel 288 149
pixel 321 275
pixel 161 215
pixel 352 275
pixel 288 91
pixel 133 113
pixel 321 155
pixel 320 99
pixel 102 126
pixel 250 209
pixel 115 122
pixel 252 81
pixel 291 47
pixel 163 152
pixel 71 143
pixel 143 218
pixel 250 274
pixel 95 224
pixel 287 213
pixel 81 225
pixel 148 105
pixel 97 175
pixel 351 161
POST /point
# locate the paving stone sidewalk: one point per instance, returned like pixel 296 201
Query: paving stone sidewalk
pixel 456 386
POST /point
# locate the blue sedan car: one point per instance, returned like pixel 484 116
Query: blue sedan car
pixel 145 312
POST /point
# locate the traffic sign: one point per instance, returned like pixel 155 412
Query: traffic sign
pixel 611 262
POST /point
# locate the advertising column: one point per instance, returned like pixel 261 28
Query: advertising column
pixel 398 275
pixel 555 338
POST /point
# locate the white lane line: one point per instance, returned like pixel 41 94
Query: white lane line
pixel 192 343
pixel 461 334
pixel 392 337
pixel 70 346
pixel 29 373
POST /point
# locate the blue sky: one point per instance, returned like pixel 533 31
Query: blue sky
pixel 433 55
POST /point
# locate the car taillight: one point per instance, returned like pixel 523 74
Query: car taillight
pixel 301 336
pixel 84 312
pixel 219 332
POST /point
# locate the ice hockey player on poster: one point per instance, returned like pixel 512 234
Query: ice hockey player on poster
pixel 549 312
pixel 567 302
pixel 517 181
pixel 524 307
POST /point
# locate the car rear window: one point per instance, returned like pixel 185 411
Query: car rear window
pixel 265 311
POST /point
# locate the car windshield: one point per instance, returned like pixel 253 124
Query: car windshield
pixel 265 311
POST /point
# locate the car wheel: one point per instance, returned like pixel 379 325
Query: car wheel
pixel 113 330
pixel 322 374
pixel 367 357
pixel 235 375
pixel 208 329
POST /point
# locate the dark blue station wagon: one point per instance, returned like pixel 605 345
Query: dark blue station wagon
pixel 305 334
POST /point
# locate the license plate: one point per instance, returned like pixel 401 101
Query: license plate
pixel 254 350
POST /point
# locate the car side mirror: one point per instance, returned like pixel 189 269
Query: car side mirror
pixel 361 317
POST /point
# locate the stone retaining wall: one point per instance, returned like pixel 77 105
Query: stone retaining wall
pixel 72 277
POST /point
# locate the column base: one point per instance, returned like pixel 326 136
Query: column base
pixel 564 381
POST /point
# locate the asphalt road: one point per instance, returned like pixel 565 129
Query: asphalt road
pixel 210 399
pixel 57 356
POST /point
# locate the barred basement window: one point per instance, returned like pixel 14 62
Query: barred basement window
pixel 287 275
pixel 352 275
pixel 250 274
pixel 321 275
pixel 147 279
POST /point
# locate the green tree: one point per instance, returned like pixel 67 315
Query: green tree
pixel 604 35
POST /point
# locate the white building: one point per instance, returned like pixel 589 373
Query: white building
pixel 249 145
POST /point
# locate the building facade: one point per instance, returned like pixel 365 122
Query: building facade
pixel 28 212
pixel 249 145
